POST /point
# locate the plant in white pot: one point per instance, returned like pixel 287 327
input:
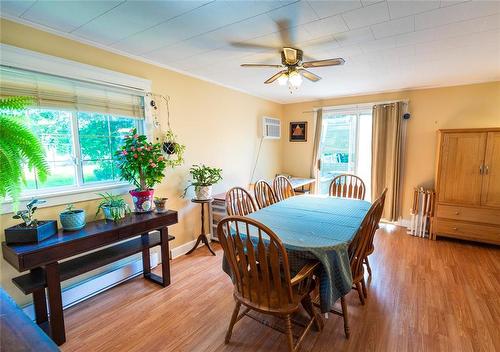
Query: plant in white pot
pixel 113 207
pixel 203 177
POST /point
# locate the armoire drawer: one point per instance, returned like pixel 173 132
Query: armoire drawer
pixel 464 230
pixel 482 215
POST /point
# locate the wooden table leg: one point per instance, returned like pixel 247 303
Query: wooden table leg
pixel 40 305
pixel 56 317
pixel 203 236
pixel 40 302
pixel 164 279
pixel 165 256
pixel 146 256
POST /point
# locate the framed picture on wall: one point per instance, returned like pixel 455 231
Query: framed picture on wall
pixel 298 131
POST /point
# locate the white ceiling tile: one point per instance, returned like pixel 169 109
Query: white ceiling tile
pixel 380 44
pixel 198 21
pixel 367 15
pixel 393 27
pixel 65 15
pixel 329 25
pixel 330 8
pixel 293 15
pixel 445 3
pixel 182 50
pixel 110 27
pixel 450 30
pixel 398 8
pixel 15 8
pixel 355 36
pixel 370 2
pixel 460 12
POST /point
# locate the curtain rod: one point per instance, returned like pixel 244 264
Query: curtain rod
pixel 354 106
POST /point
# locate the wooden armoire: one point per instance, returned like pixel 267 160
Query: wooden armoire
pixel 468 185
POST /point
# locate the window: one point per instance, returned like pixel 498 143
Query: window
pixel 79 146
pixel 80 124
pixel 345 146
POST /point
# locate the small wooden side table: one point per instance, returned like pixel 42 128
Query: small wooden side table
pixel 203 236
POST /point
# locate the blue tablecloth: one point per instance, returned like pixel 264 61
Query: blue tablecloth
pixel 319 228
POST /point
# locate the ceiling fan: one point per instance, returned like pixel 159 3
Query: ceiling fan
pixel 293 68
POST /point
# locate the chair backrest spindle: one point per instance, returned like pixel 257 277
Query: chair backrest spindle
pixel 264 194
pixel 258 261
pixel 347 186
pixel 239 202
pixel 283 188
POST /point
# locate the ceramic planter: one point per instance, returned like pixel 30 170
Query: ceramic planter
pixel 23 234
pixel 143 200
pixel 203 192
pixel 72 220
pixel 160 205
pixel 109 213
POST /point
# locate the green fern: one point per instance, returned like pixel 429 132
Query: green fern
pixel 18 145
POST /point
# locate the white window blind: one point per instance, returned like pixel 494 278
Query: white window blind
pixel 51 91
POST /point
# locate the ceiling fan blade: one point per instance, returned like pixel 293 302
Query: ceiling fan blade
pixel 260 65
pixel 244 45
pixel 274 77
pixel 291 56
pixel 323 63
pixel 286 32
pixel 309 75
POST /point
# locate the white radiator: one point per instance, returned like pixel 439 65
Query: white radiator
pixel 421 212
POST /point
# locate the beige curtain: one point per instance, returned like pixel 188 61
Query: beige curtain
pixel 387 156
pixel 317 140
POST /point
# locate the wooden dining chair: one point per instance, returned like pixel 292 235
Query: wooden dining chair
pixel 357 250
pixel 283 188
pixel 239 202
pixel 371 248
pixel 264 194
pixel 261 276
pixel 347 186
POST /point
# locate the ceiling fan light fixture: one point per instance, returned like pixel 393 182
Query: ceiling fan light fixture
pixel 295 79
pixel 283 79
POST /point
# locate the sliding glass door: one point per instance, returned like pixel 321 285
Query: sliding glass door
pixel 345 146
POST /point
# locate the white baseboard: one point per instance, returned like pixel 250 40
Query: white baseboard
pixel 184 248
pixel 404 222
pixel 104 281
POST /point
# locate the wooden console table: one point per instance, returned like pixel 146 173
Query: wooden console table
pixel 42 259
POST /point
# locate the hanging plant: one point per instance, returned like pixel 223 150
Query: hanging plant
pixel 174 151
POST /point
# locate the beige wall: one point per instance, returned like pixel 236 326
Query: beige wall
pixel 219 126
pixel 468 106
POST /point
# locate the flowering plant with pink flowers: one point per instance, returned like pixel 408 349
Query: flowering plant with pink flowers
pixel 140 162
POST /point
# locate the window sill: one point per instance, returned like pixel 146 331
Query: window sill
pixel 67 196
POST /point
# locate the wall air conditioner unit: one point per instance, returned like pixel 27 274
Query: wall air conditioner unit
pixel 271 128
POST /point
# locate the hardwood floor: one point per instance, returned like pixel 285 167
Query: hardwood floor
pixel 423 296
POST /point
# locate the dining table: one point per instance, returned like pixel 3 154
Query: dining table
pixel 317 228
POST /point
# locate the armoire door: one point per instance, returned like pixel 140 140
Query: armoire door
pixel 462 156
pixel 491 174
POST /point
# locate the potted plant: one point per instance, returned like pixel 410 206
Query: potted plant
pixel 31 230
pixel 113 207
pixel 203 179
pixel 19 147
pixel 160 204
pixel 142 164
pixel 72 219
pixel 173 150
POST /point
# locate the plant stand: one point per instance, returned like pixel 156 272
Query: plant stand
pixel 203 236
